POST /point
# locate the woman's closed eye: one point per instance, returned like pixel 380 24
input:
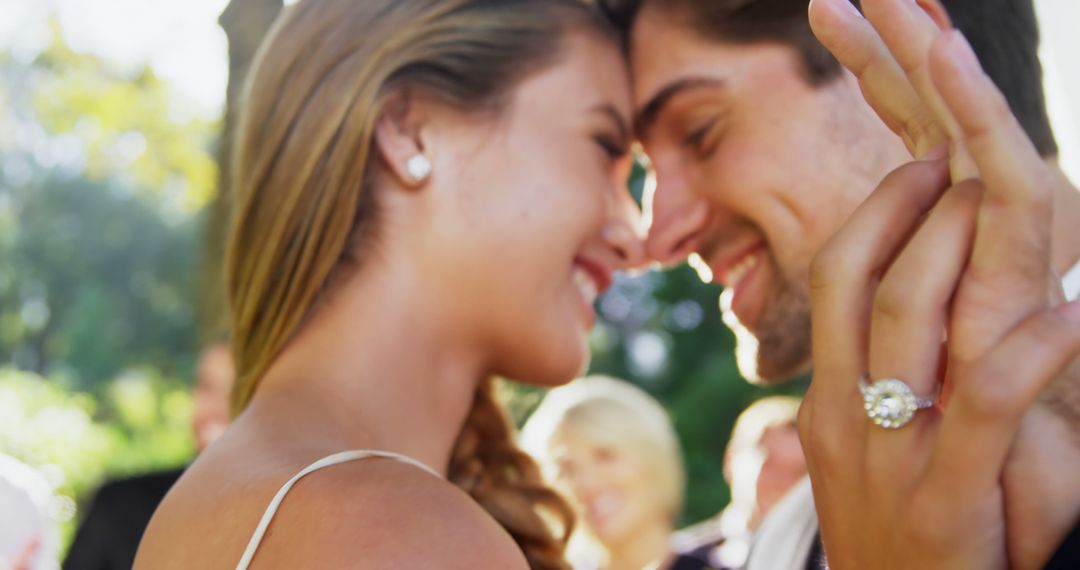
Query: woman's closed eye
pixel 698 140
pixel 612 147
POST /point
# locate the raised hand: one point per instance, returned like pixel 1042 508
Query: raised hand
pixel 888 52
pixel 978 268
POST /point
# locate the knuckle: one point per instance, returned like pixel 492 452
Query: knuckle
pixel 832 265
pixel 1047 328
pixel 989 394
pixel 893 302
pixel 821 442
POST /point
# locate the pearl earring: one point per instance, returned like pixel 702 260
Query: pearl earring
pixel 419 167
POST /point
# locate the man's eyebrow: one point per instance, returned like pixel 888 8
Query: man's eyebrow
pixel 624 129
pixel 648 114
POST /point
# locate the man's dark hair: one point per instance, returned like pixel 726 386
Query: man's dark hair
pixel 1003 33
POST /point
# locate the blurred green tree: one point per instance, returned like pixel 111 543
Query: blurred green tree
pixel 99 191
pixel 57 431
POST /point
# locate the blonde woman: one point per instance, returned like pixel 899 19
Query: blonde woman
pixel 612 447
pixel 428 194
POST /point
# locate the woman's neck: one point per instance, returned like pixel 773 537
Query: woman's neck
pixel 372 369
pixel 647 549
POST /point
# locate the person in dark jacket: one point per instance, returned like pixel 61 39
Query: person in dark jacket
pixel 115 519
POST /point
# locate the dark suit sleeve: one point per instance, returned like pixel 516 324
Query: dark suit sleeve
pixel 1068 555
pixel 109 535
pixel 88 550
pixel 816 559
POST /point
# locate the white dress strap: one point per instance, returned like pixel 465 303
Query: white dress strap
pixel 334 459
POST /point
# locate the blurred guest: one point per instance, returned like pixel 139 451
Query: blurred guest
pixel 28 530
pixel 613 449
pixel 763 461
pixel 114 523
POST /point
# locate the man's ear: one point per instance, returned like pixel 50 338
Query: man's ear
pixel 937 13
pixel 399 141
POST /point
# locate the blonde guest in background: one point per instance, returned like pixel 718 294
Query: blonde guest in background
pixel 613 449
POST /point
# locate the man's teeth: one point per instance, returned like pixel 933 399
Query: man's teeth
pixel 736 273
pixel 586 285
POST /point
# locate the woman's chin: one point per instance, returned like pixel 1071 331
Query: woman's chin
pixel 550 364
pixel 563 371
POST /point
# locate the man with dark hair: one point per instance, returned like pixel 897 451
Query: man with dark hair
pixel 762 145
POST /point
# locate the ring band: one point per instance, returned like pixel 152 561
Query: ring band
pixel 890 403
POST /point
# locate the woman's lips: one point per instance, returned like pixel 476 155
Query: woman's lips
pixel 586 285
pixel 591 279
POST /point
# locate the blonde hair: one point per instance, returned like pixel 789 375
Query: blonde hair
pixel 614 412
pixel 303 172
pixel 743 456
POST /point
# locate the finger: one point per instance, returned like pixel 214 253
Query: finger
pixel 1012 168
pixel 1011 259
pixel 911 306
pixel 843 274
pixel 992 397
pixel 909 32
pixel 859 48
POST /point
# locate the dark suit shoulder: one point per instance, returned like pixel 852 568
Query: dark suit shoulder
pixel 115 519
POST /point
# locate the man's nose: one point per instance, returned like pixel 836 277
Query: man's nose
pixel 623 234
pixel 679 219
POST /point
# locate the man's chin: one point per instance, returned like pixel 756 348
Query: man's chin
pixel 762 374
pixel 772 364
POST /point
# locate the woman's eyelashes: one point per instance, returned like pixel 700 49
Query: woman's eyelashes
pixel 613 148
pixel 698 140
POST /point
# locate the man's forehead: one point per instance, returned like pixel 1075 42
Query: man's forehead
pixel 662 52
pixel 666 54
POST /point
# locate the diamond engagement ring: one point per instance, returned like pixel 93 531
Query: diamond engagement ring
pixel 890 403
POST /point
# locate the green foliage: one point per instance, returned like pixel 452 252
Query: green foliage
pixel 125 126
pixel 696 378
pixel 99 184
pixel 65 435
pixel 96 283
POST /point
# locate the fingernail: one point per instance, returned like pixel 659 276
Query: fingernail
pixel 1070 311
pixel 939 152
pixel 960 51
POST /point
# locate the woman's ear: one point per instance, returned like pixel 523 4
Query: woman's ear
pixel 399 140
pixel 937 13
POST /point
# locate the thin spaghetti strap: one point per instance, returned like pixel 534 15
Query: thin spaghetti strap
pixel 344 456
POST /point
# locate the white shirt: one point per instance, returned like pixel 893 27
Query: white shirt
pixel 786 536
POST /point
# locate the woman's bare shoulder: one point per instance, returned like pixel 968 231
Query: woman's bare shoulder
pixel 375 513
pixel 385 514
